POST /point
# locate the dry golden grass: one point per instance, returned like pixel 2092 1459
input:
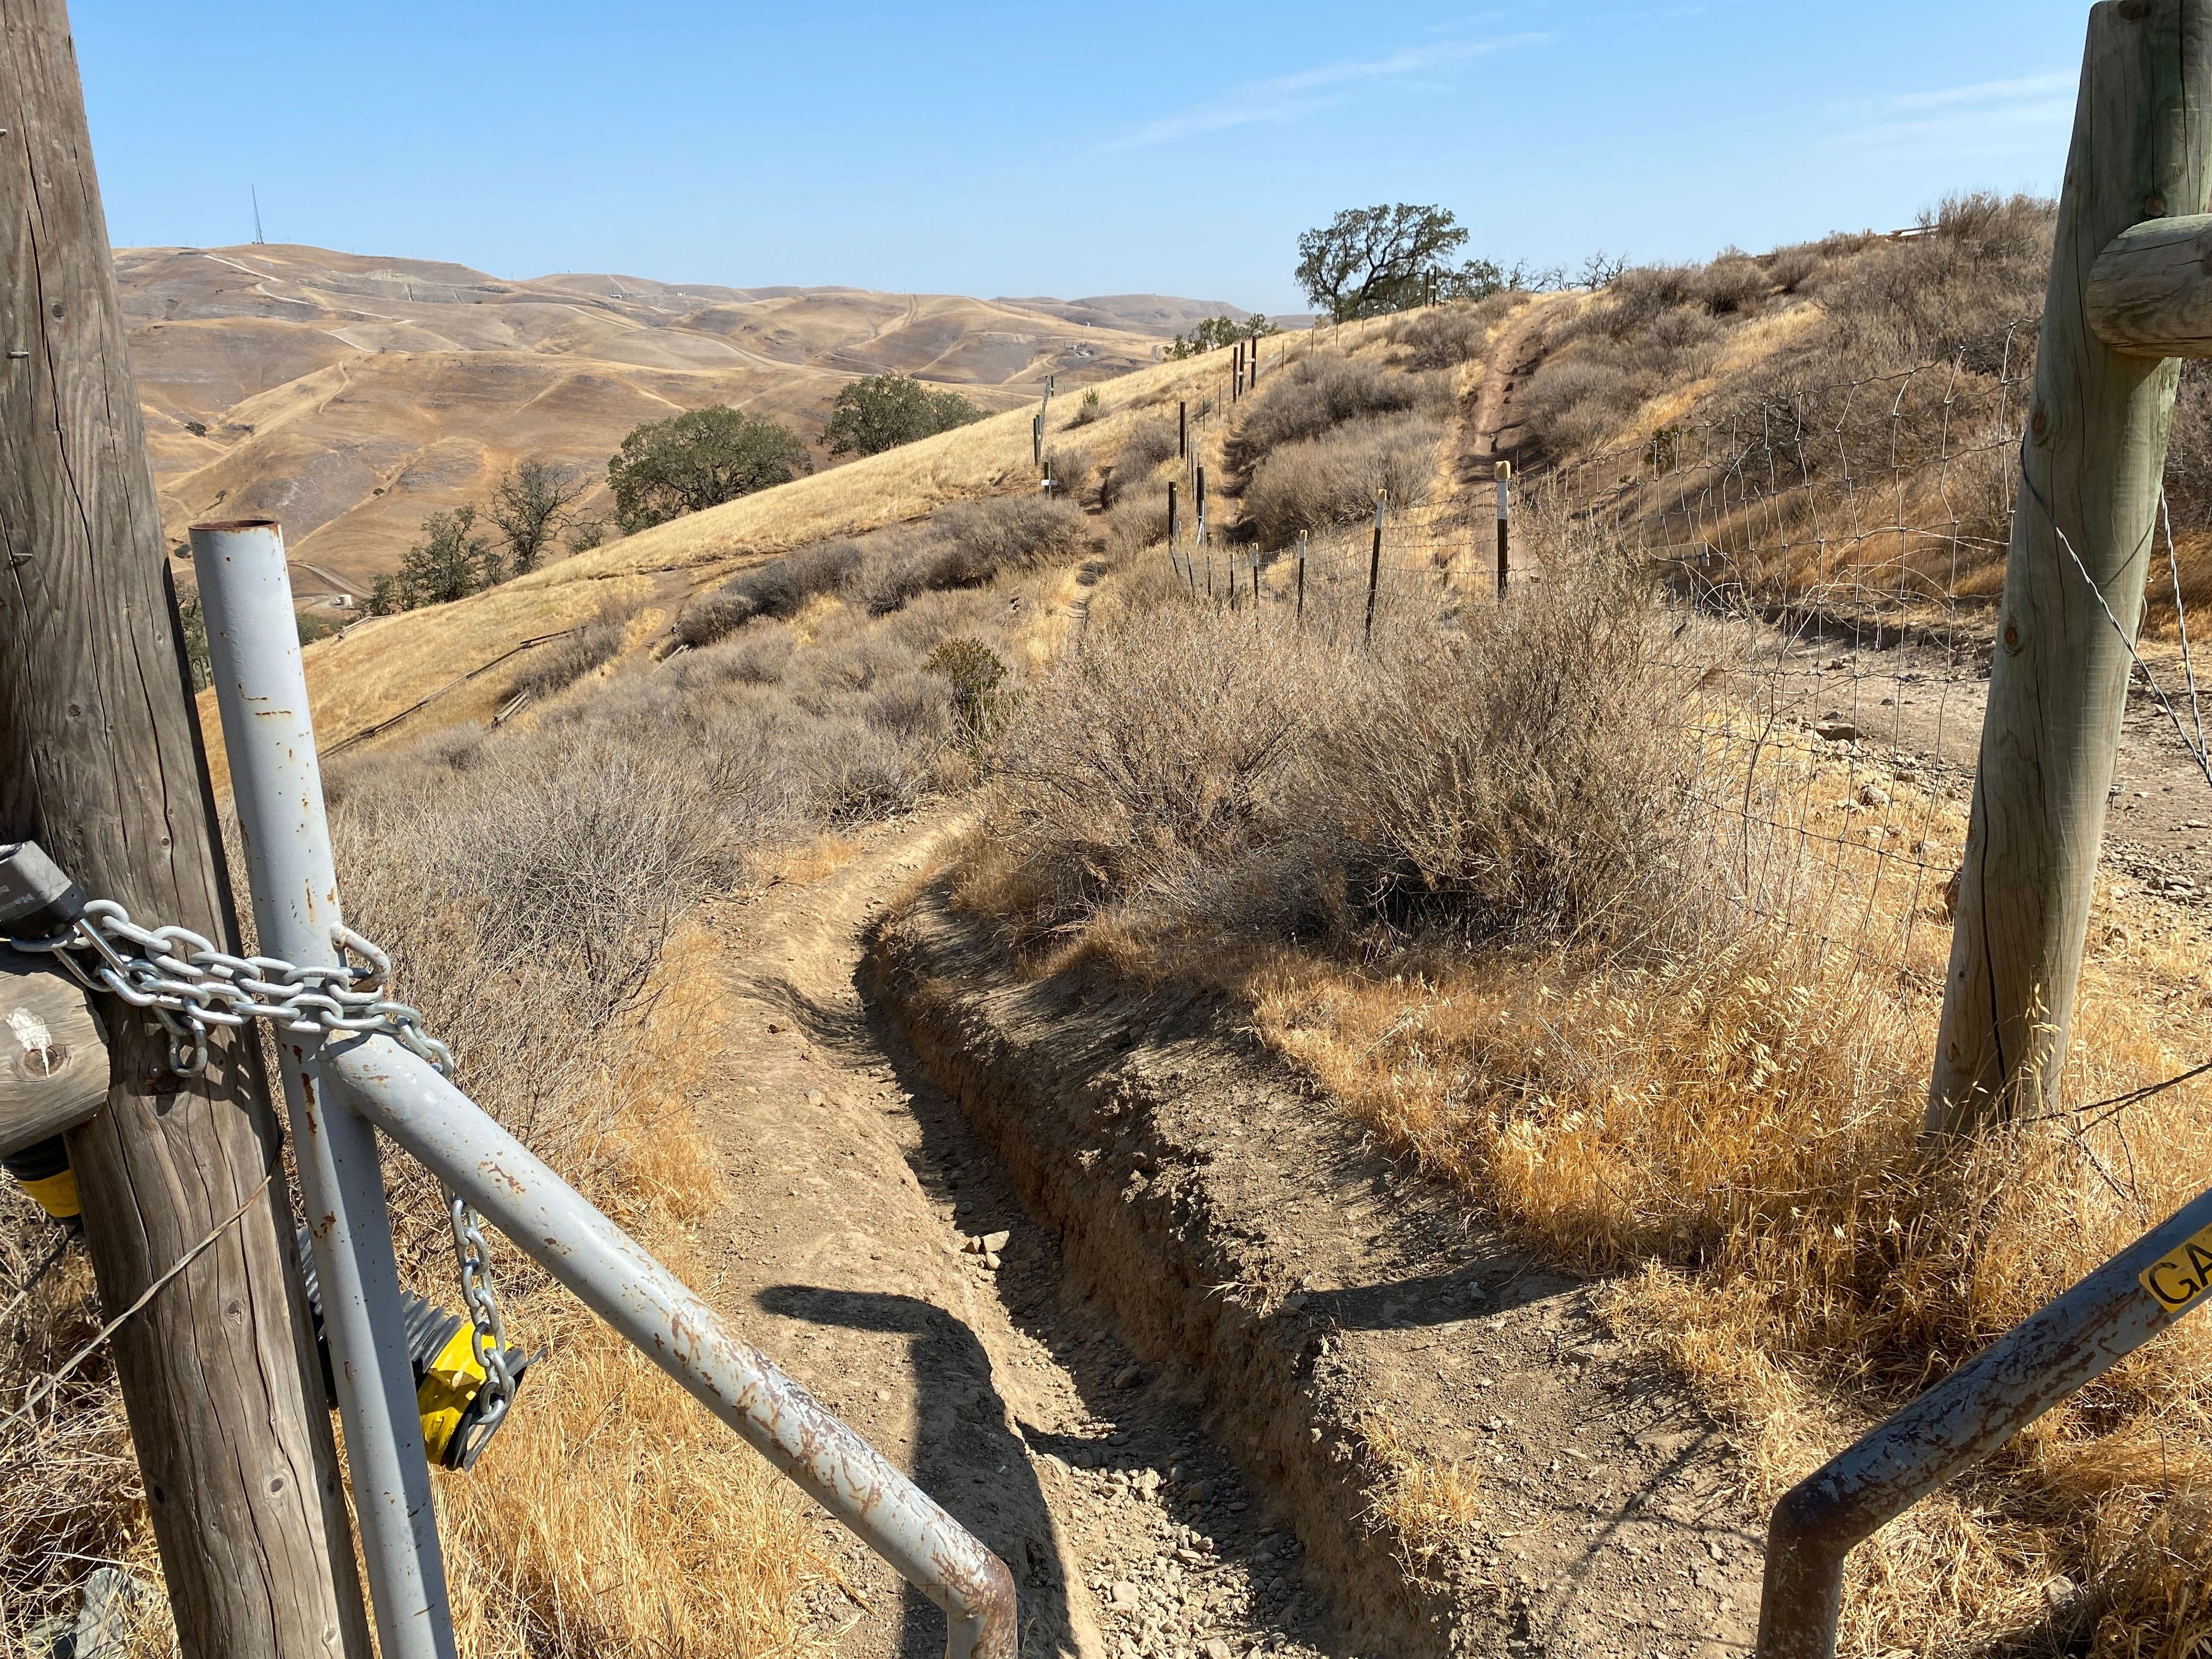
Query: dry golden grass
pixel 614 1515
pixel 382 667
pixel 1737 1138
pixel 1432 1508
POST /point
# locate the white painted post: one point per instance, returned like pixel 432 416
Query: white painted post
pixel 254 646
pixel 1504 518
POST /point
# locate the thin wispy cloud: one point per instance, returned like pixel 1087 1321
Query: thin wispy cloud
pixel 1288 97
pixel 1982 118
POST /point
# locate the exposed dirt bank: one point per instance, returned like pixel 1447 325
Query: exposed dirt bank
pixel 1472 1460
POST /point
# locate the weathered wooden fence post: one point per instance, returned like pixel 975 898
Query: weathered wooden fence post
pixel 1302 576
pixel 2091 470
pixel 100 762
pixel 1182 430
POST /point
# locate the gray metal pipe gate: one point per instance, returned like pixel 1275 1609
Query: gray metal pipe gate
pixel 337 1089
pixel 2072 1341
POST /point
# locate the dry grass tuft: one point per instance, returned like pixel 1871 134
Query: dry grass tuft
pixel 1431 1509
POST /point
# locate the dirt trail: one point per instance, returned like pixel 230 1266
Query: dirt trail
pixel 1495 432
pixel 853 1188
pixel 1351 1328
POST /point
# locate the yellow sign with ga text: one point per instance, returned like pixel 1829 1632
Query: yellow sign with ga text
pixel 2180 1278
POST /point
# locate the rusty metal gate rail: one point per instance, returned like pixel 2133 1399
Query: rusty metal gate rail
pixel 340 1085
pixel 1962 1420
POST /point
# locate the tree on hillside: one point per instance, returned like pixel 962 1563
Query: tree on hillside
pixel 883 411
pixel 698 459
pixel 450 563
pixel 1214 332
pixel 529 503
pixel 1367 262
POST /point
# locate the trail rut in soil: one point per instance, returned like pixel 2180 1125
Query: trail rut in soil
pixel 875 1251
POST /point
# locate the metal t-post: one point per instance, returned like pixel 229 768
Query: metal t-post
pixel 260 686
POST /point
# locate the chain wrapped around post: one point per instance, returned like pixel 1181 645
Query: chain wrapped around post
pixel 188 986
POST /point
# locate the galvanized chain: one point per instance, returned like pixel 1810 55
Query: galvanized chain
pixel 190 987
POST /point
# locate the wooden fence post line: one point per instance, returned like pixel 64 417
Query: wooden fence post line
pixel 1504 515
pixel 1375 566
pixel 2091 467
pixel 100 761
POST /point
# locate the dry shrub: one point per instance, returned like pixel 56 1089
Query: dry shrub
pixel 1527 781
pixel 1138 524
pixel 1576 404
pixel 1983 265
pixel 1152 442
pixel 1143 773
pixel 1732 284
pixel 1788 267
pixel 1319 481
pixel 1069 469
pixel 966 544
pixel 1322 390
pixel 69 1494
pixel 1187 771
pixel 778 588
pixel 2188 451
pixel 1441 337
pixel 560 664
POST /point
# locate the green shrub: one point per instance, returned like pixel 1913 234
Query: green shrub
pixel 698 459
pixel 450 563
pixel 882 411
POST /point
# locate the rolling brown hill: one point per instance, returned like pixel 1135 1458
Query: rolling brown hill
pixel 350 396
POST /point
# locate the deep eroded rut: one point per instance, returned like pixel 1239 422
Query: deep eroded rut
pixel 1473 1461
pixel 854 1190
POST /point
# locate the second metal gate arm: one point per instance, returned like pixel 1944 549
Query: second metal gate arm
pixel 620 1281
pixel 2061 1347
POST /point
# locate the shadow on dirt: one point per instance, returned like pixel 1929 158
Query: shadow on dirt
pixel 966 1459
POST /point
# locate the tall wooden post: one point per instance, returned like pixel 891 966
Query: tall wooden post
pixel 100 762
pixel 2074 580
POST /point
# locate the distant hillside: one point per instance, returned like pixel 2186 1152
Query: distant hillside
pixel 350 396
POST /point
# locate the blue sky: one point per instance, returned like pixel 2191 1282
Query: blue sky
pixel 1044 149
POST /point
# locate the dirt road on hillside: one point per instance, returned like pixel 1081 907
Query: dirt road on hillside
pixel 855 1193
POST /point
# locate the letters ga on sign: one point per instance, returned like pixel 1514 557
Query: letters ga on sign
pixel 2180 1278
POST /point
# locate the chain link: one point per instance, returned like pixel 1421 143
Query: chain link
pixel 191 987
